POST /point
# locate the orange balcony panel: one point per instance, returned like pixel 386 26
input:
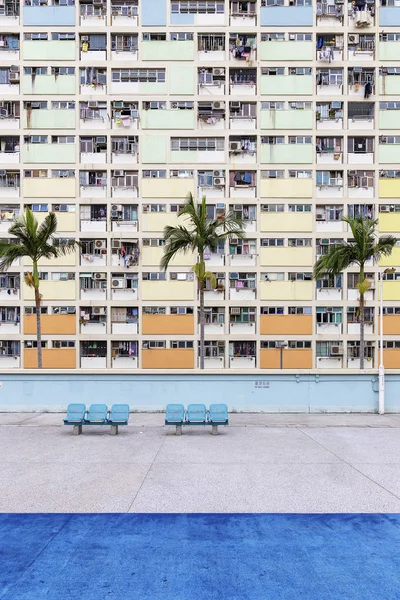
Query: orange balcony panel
pixel 53 358
pixel 286 324
pixel 292 358
pixel 391 325
pixel 57 324
pixel 168 324
pixel 168 358
pixel 391 358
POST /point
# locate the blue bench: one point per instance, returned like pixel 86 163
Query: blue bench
pixel 196 414
pixel 98 414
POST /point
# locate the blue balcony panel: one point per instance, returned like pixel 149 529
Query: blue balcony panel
pixel 286 16
pixel 38 16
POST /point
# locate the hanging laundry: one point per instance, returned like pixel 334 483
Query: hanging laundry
pixel 368 89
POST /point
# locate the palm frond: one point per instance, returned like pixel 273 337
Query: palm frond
pixel 9 253
pixel 337 259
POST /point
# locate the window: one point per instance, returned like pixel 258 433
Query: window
pixel 181 37
pixel 242 281
pixel 272 242
pixel 154 174
pixel 300 71
pixel 242 315
pixel 152 344
pixel 272 310
pixel 181 276
pixel 35 71
pixel 328 316
pixel 197 144
pixel 181 310
pixel 389 105
pixel 299 139
pixel 272 106
pixel 330 281
pixel 62 36
pixel 62 71
pixel 299 207
pixel 299 242
pixel 389 139
pixel 35 36
pixel 92 349
pixel 153 242
pixel 273 139
pixel 62 276
pixel 391 345
pixel 61 173
pixel 154 105
pixel 275 37
pixel 183 174
pixel 181 345
pixel 272 71
pixel 272 174
pixel 299 276
pixel 154 310
pixel 214 349
pixel 63 344
pixel 35 173
pixel 299 344
pixel 198 7
pixel 272 207
pixel 299 310
pixel 157 276
pixel 63 139
pixel 33 344
pixel 272 276
pixel 300 174
pixel 138 75
pixel 63 105
pixel 391 310
pixel 154 208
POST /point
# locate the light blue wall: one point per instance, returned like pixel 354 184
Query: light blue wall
pixel 63 16
pixel 182 19
pixel 154 12
pixel 286 16
pixel 389 16
pixel 243 393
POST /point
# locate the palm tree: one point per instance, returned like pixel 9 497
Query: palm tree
pixel 34 242
pixel 364 246
pixel 198 236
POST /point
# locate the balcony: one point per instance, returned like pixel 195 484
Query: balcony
pixel 124 321
pixel 9 150
pixel 329 115
pixel 125 115
pixel 329 48
pixel 93 13
pixel 10 185
pixel 211 116
pixel 361 18
pixel 242 355
pixel 361 115
pixel 242 253
pixel 329 150
pixel 361 48
pixel 10 78
pixel 211 47
pixel 211 81
pixel 242 151
pixel 328 219
pixel 124 13
pixel 330 13
pixel 8 214
pixel 93 218
pixel 243 13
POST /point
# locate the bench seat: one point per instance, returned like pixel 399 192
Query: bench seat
pixel 98 414
pixel 196 414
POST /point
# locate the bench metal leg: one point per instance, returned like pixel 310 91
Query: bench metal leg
pixel 77 430
pixel 214 430
pixel 114 429
pixel 179 430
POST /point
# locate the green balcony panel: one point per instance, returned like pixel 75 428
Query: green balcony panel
pixel 184 157
pixel 167 50
pixel 287 119
pixel 149 88
pixel 168 119
pixel 389 153
pixel 182 79
pixel 49 84
pixel 389 119
pixel 49 153
pixel 48 50
pixel 388 50
pixel 287 85
pixel 389 85
pixel 154 149
pixel 287 153
pixel 287 50
pixel 49 119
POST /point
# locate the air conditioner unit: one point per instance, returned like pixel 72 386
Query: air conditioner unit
pixel 14 77
pixel 118 283
pixel 233 275
pixel 115 244
pixel 234 240
pixel 235 310
pixel 238 207
pixel 219 173
pixel 100 244
pixel 217 105
pixel 84 38
pixel 218 181
pixel 92 104
pixel 98 310
pixel 100 276
pixel 336 350
pixel 384 208
pixel 116 207
pixel 235 146
pixel 217 71
pixel 354 38
pixel 97 2
pixel 114 214
pixel 324 242
pixel 236 105
pixel 118 173
pixel 292 36
pixel 320 217
pixel 118 104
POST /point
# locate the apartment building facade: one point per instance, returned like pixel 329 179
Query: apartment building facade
pixel 286 112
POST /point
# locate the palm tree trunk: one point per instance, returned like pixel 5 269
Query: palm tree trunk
pixel 38 328
pixel 202 321
pixel 362 320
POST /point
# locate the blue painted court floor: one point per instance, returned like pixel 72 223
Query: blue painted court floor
pixel 199 556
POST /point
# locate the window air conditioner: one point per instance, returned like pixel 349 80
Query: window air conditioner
pixel 385 208
pixel 115 244
pixel 217 71
pixel 238 207
pixel 98 310
pixel 217 105
pixel 219 173
pixel 99 276
pixel 100 244
pixel 320 217
pixel 336 350
pixel 236 105
pixel 218 181
pixel 118 283
pixel 354 38
pixel 92 104
pixel 235 310
pixel 14 77
pixel 234 240
pixel 324 242
pixel 116 207
pixel 235 146
pixel 118 173
pixel 233 275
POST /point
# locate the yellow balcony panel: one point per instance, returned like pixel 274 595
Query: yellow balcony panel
pixel 167 325
pixel 168 358
pixel 168 119
pixel 287 85
pixel 286 257
pixel 285 324
pixel 57 324
pixel 389 188
pixel 66 222
pixel 286 290
pixel 391 358
pixel 287 119
pixel 44 85
pixel 48 119
pixel 167 290
pixel 52 290
pixel 286 188
pixel 282 222
pixel 389 222
pixel 48 188
pixel 51 49
pixel 389 85
pixel 290 50
pixel 389 153
pixel 69 260
pixel 167 188
pixel 292 358
pixel 167 50
pixel 151 257
pixel 48 153
pixel 287 153
pixel 155 222
pixel 53 358
pixel 391 261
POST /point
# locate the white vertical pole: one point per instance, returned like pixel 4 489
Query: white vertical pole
pixel 381 366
